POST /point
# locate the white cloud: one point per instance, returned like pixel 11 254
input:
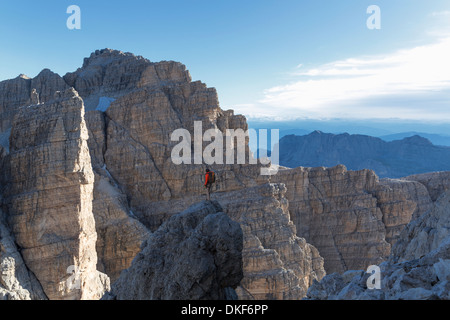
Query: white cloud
pixel 412 83
pixel 440 13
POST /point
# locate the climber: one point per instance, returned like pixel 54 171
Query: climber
pixel 210 178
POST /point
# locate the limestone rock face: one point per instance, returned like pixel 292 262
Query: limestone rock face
pixel 16 281
pixel 4 168
pixel 277 264
pixel 400 201
pixel 333 210
pixel 418 268
pixel 435 182
pixel 49 198
pixel 111 73
pixel 195 255
pixel 290 221
pixel 424 234
pixel 14 93
pixel 133 107
pixel 95 121
pixel 139 146
pixel 394 159
pixel 119 234
pixel 133 141
pixel 351 217
pixel 24 91
pixel 45 84
pixel 132 137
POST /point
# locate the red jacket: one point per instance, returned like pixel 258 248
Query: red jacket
pixel 206 178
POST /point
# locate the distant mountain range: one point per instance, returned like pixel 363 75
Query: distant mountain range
pixel 436 139
pixel 440 135
pixel 393 159
pixel 374 128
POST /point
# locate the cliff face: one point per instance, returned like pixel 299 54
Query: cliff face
pixel 113 74
pixel 195 255
pixel 332 210
pixel 417 269
pixel 351 217
pixel 25 91
pixel 49 198
pixel 16 281
pixel 131 185
pixel 277 263
pixel 424 234
pixel 435 182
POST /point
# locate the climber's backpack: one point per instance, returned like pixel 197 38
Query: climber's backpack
pixel 212 177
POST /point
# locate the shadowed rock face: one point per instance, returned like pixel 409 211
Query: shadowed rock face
pixel 195 255
pixel 111 73
pixel 119 235
pixel 349 218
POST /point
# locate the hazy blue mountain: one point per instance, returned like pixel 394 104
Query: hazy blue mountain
pixel 436 139
pixel 393 159
pixel 370 127
pixel 297 132
pixel 282 132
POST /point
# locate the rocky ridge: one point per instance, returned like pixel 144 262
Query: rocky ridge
pixel 17 282
pixel 417 269
pixel 135 187
pixel 132 105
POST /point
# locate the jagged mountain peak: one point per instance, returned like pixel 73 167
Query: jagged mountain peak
pixel 104 56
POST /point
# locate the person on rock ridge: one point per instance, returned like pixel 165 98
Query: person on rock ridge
pixel 210 178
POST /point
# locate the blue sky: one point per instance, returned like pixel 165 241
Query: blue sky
pixel 275 59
